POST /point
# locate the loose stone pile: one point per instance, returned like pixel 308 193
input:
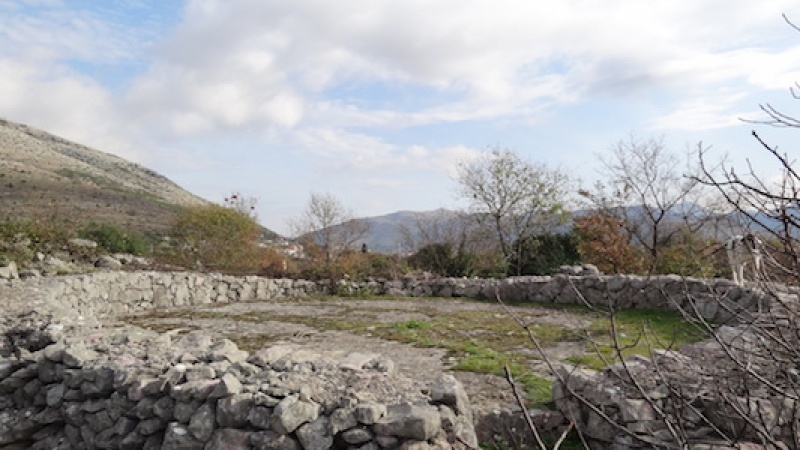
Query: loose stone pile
pixel 129 388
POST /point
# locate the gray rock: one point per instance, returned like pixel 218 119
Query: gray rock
pixel 369 413
pixel 108 262
pixel 448 391
pixel 9 271
pixel 201 425
pixel 229 439
pixel 315 435
pixel 78 356
pixel 85 243
pixel 164 408
pixel 357 436
pixel 259 417
pixel 292 412
pixel 226 350
pixel 232 411
pixel 269 440
pixel 227 385
pixel 342 419
pixel 132 441
pixel 55 394
pixel 420 422
pixel 150 426
pixel 185 410
pixel 178 437
pixel 194 390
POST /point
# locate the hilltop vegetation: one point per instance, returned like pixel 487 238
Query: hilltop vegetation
pixel 45 177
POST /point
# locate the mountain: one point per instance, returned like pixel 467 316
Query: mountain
pixel 385 233
pixel 43 176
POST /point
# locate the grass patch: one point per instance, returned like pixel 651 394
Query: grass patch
pixel 638 332
pixel 478 341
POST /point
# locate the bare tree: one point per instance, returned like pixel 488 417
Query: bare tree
pixel 653 193
pixel 766 205
pixel 452 243
pixel 326 222
pixel 740 386
pixel 516 197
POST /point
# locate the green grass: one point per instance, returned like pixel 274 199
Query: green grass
pixel 638 332
pixel 480 341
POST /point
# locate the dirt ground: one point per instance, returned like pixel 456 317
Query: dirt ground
pixel 488 393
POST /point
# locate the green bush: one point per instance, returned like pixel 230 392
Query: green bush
pixel 114 239
pixel 217 238
pixel 442 259
pixel 21 239
pixel 544 254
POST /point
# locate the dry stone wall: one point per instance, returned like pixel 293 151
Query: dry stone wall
pixel 67 382
pixel 128 388
pixel 109 294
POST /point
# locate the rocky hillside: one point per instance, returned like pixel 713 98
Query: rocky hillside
pixel 47 177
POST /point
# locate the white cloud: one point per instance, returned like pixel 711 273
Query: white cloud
pixel 701 113
pixel 334 84
pixel 251 63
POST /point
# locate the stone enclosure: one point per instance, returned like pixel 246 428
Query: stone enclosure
pixel 68 382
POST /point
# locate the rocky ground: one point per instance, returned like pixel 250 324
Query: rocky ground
pixel 282 323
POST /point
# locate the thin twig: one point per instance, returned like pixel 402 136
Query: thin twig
pixel 521 403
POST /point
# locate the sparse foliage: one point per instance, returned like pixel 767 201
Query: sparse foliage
pixel 328 230
pixel 653 194
pixel 739 387
pixel 515 197
pixel 243 204
pixel 605 243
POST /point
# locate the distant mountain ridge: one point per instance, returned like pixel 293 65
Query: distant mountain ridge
pixel 43 175
pixel 385 234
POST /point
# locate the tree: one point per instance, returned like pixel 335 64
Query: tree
pixel 769 206
pixel 517 198
pixel 543 254
pixel 449 243
pixel 739 387
pixel 604 242
pixel 217 238
pixel 653 193
pixel 326 223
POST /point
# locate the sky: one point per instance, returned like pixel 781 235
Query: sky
pixel 376 102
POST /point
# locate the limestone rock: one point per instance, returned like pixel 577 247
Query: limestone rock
pixel 201 425
pixel 292 412
pixel 232 411
pixel 108 262
pixel 420 422
pixel 8 271
pixel 315 435
pixel 178 437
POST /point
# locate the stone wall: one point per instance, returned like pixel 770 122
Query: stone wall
pixel 109 294
pixel 131 389
pixel 67 382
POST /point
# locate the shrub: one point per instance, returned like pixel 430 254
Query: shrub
pixel 116 240
pixel 544 254
pixel 217 238
pixel 21 239
pixel 605 243
pixel 442 259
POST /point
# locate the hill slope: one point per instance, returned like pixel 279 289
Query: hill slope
pixel 43 176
